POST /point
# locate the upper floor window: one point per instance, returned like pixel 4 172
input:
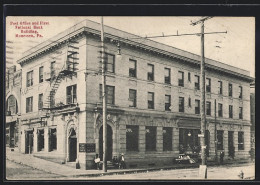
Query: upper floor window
pixel 132 68
pixel 40 101
pixel 189 78
pixel 240 92
pixel 110 94
pixel 167 102
pixel 230 89
pixel 12 105
pixel 167 75
pixel 41 74
pixel 181 78
pixel 230 111
pixel 240 112
pixel 29 78
pixel 208 85
pixel 208 108
pixel 197 106
pixel 150 100
pixel 150 74
pixel 220 110
pixel 181 104
pixel 110 63
pixel 132 97
pixel 220 87
pixel 52 69
pixel 197 82
pixel 29 104
pixel 72 94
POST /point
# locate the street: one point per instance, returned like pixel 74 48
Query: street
pixel 15 171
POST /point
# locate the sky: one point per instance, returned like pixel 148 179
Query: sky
pixel 235 48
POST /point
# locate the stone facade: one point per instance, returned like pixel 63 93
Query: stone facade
pixel 80 124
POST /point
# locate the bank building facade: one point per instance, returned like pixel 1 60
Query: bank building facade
pixel 153 100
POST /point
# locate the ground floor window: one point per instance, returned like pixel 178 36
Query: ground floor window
pixel 189 141
pixel 167 139
pixel 240 140
pixel 52 139
pixel 40 140
pixel 150 138
pixel 132 132
pixel 220 139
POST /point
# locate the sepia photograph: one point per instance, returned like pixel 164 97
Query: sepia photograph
pixel 129 98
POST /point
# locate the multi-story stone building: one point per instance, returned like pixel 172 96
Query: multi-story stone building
pixel 153 93
pixel 13 109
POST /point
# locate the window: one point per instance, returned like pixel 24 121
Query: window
pixel 240 140
pixel 230 111
pixel 150 74
pixel 52 69
pixel 220 87
pixel 181 78
pixel 110 94
pixel 197 82
pixel 240 112
pixel 150 100
pixel 167 75
pixel 208 108
pixel 132 97
pixel 41 74
pixel 181 104
pixel 189 76
pixel 29 104
pixel 12 105
pixel 167 139
pixel 167 102
pixel 110 63
pixel 53 139
pixel 208 85
pixel 132 133
pixel 220 139
pixel 197 106
pixel 29 78
pixel 240 92
pixel 40 101
pixel 40 136
pixel 220 110
pixel 150 138
pixel 189 102
pixel 132 68
pixel 72 94
pixel 230 90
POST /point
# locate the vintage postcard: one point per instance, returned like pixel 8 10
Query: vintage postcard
pixel 130 98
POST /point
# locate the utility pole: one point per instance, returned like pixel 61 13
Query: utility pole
pixel 203 166
pixel 216 139
pixel 104 98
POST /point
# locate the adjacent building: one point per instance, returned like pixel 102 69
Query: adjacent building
pixel 153 100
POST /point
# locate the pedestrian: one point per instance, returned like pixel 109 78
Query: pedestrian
pixel 122 162
pixel 97 161
pixel 221 157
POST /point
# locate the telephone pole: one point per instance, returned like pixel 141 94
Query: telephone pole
pixel 203 166
pixel 104 98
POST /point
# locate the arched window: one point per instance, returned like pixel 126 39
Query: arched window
pixel 12 105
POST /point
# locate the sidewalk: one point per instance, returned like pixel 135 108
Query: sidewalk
pixel 67 171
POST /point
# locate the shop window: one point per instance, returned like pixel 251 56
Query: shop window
pixel 167 102
pixel 181 78
pixel 150 138
pixel 132 97
pixel 150 74
pixel 29 104
pixel 220 139
pixel 181 104
pixel 167 75
pixel 240 140
pixel 53 139
pixel 150 100
pixel 132 135
pixel 132 68
pixel 197 106
pixel 29 78
pixel 72 94
pixel 167 139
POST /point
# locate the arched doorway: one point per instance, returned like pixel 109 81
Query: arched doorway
pixel 109 143
pixel 72 144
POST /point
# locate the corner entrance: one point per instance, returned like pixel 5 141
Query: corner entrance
pixel 28 142
pixel 72 146
pixel 109 143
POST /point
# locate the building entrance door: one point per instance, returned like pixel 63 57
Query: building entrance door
pixel 231 148
pixel 28 142
pixel 109 143
pixel 72 146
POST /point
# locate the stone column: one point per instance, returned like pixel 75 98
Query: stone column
pixel 159 139
pixel 142 139
pixel 46 139
pixel 175 142
pixel 35 140
pixel 22 140
pixel 122 138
